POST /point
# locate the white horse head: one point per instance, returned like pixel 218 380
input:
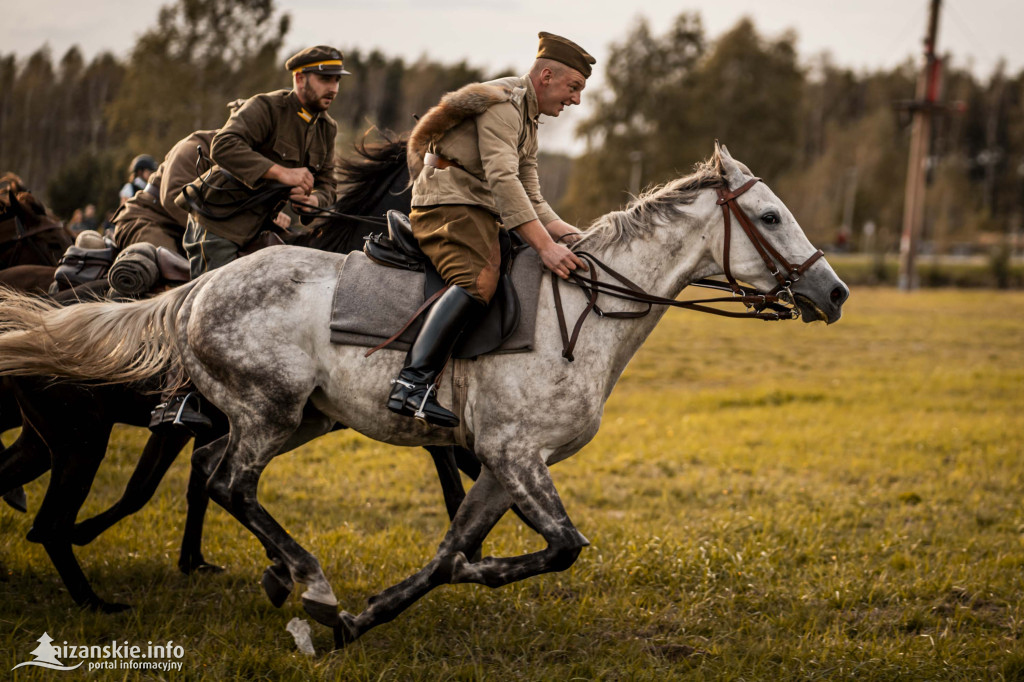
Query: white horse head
pixel 676 234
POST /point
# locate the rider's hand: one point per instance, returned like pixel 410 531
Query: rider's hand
pixel 298 195
pixel 299 178
pixel 283 220
pixel 563 233
pixel 560 260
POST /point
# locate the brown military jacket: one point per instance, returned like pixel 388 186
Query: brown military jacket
pixel 490 130
pixel 156 204
pixel 269 128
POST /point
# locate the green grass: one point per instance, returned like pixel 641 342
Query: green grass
pixel 765 501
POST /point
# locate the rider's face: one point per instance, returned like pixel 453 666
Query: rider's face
pixel 316 91
pixel 559 90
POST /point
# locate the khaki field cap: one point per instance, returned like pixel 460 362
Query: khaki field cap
pixel 320 59
pixel 565 51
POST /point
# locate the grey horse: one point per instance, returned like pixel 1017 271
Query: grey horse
pixel 254 336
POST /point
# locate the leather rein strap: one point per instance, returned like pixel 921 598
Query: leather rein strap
pixel 757 303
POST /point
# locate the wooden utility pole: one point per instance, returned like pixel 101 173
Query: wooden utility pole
pixel 922 109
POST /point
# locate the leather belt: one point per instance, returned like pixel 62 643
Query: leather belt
pixel 439 162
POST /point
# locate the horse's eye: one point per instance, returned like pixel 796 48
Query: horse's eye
pixel 770 218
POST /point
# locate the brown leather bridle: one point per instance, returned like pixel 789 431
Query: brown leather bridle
pixel 769 254
pixel 770 306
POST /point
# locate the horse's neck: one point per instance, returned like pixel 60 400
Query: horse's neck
pixel 664 261
pixel 661 263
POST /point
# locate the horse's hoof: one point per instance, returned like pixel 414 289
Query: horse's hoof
pixel 16 499
pixel 277 589
pixel 97 604
pixel 345 631
pixel 113 607
pixel 325 614
pixel 202 567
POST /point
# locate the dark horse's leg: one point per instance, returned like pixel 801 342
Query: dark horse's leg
pixel 11 463
pixel 159 453
pixel 75 463
pixel 73 422
pixel 27 459
pixel 191 558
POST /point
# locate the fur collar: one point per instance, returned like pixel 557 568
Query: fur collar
pixel 454 108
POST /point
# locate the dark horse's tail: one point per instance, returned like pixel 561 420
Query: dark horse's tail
pixel 107 341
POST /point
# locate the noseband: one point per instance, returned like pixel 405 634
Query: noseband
pixel 786 277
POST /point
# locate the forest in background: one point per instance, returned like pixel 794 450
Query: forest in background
pixel 827 138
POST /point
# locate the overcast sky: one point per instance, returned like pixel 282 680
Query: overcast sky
pixel 502 34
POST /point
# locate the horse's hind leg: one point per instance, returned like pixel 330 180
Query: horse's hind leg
pixel 160 452
pixel 233 485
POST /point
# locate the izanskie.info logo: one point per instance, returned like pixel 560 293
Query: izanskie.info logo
pixel 113 656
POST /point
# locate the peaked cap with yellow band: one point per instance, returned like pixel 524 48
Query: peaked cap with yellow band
pixel 565 51
pixel 319 59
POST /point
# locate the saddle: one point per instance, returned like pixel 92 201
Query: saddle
pixel 399 249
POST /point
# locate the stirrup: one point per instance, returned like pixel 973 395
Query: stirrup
pixel 419 415
pixel 181 408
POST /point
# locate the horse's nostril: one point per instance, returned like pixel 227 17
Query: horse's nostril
pixel 839 295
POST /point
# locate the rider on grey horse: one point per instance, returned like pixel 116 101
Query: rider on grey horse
pixel 473 159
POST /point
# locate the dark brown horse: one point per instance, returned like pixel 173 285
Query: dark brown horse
pixel 29 234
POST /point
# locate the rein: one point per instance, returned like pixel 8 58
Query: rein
pixel 781 308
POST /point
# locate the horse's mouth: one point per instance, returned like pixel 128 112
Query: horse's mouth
pixel 810 312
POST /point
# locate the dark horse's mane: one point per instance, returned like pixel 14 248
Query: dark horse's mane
pixel 373 181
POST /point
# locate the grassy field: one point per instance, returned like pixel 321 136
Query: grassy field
pixel 765 502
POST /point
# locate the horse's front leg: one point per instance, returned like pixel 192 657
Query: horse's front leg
pixel 527 482
pixel 482 507
pixel 208 449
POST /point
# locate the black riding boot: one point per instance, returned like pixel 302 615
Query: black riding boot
pixel 413 392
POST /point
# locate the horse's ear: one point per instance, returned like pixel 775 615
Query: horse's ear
pixel 732 171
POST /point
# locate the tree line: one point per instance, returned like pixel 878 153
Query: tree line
pixel 832 142
pixel 828 139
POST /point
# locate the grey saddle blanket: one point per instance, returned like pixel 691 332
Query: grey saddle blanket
pixel 372 302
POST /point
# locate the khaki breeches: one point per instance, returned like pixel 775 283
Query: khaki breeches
pixel 462 243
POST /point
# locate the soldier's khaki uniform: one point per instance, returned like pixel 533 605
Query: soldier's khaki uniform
pixel 493 184
pixel 269 128
pixel 151 215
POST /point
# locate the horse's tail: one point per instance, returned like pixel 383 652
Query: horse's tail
pixel 106 341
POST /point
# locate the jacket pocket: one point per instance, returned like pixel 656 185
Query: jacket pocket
pixel 317 158
pixel 287 152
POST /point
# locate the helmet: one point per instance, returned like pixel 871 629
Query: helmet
pixel 142 162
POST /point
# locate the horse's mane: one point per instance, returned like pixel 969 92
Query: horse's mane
pixel 654 207
pixel 370 182
pixel 373 163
